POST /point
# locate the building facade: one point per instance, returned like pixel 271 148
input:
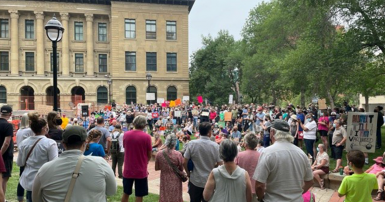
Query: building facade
pixel 106 51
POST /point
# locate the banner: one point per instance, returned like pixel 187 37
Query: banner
pixel 361 130
pixel 159 100
pixel 230 99
pixel 150 96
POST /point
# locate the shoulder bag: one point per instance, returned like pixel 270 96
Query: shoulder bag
pixel 75 176
pixel 30 151
pixel 180 174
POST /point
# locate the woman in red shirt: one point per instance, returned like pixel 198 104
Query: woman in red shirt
pixel 213 115
pixel 323 128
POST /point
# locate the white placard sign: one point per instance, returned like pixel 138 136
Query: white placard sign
pixel 185 98
pixel 177 113
pixel 150 96
pixel 160 100
pixel 230 99
pixel 361 131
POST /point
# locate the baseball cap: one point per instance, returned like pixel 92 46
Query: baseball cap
pixel 281 125
pixel 6 109
pixel 74 131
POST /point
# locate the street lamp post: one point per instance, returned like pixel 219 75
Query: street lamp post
pixel 109 89
pixel 54 30
pixel 148 77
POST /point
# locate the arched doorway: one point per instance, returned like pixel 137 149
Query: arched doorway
pixel 49 96
pixel 152 89
pixel 130 95
pixel 171 93
pixel 27 98
pixel 78 95
pixel 102 95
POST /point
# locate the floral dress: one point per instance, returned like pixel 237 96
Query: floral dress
pixel 169 182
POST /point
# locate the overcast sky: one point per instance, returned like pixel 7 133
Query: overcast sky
pixel 211 16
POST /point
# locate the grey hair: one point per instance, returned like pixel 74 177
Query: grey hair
pixel 228 150
pixel 24 121
pixel 282 135
pixel 140 122
pixel 322 145
pixel 170 141
pixel 251 140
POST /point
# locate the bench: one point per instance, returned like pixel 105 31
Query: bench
pixel 331 180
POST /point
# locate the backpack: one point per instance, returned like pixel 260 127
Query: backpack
pixel 115 149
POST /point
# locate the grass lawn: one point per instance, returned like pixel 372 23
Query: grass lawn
pixel 14 180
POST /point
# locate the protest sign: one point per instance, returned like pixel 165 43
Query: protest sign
pixel 160 100
pixel 186 98
pixel 222 123
pixel 150 96
pixel 228 116
pixel 178 101
pixel 200 99
pixel 178 114
pixel 322 104
pixel 361 131
pixel 231 99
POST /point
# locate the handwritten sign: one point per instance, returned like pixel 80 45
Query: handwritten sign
pixel 361 131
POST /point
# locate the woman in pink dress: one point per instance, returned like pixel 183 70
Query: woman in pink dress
pixel 170 184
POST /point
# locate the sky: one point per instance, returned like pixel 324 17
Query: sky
pixel 211 16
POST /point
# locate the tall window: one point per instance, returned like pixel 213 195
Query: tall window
pixel 79 62
pixel 171 93
pixel 150 29
pixel 151 61
pixel 102 31
pixel 3 94
pixel 4 61
pixel 29 29
pixel 130 95
pixel 4 28
pixel 29 61
pixel 102 95
pixel 79 31
pixel 171 30
pixel 171 62
pixel 130 61
pixel 102 62
pixel 57 61
pixel 130 28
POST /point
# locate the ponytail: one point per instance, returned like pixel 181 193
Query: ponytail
pixel 93 134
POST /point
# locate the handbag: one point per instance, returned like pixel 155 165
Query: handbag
pixel 180 174
pixel 30 151
pixel 75 175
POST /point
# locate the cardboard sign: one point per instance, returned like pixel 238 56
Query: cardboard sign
pixel 43 109
pixel 228 116
pixel 150 96
pixel 322 104
pixel 361 131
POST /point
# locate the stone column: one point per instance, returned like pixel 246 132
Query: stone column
pixel 90 45
pixel 65 67
pixel 40 33
pixel 14 42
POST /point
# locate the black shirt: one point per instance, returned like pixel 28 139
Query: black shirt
pixel 129 118
pixel 6 129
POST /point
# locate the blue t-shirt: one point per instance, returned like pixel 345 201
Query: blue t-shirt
pixel 236 134
pixel 259 115
pixel 244 111
pixel 95 150
pixel 302 118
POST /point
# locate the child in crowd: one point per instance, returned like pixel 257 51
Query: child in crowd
pixel 357 187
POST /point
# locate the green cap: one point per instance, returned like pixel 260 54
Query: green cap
pixel 74 130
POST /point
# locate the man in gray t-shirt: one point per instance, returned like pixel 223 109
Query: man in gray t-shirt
pixel 283 172
pixel 105 140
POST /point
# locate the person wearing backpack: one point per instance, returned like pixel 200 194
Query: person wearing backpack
pixel 117 150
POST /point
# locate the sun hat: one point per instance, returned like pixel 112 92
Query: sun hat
pixel 294 117
pixel 378 159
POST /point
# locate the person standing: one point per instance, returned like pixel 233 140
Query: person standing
pixel 282 183
pixel 105 140
pixel 34 152
pixel 266 131
pixel 323 128
pixel 204 154
pixel 95 179
pixel 6 142
pixel 169 181
pixel 248 159
pixel 137 146
pixel 118 154
pixel 339 138
pixel 309 134
pixel 380 122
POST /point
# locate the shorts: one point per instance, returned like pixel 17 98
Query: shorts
pixel 323 133
pixel 141 186
pixel 300 135
pixel 8 163
pixel 338 152
pixel 325 169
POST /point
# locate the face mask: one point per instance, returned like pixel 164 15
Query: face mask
pixel 317 149
pixel 59 121
pixel 309 119
pixel 334 125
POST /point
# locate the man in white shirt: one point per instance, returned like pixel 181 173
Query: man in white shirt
pixel 95 180
pixel 283 172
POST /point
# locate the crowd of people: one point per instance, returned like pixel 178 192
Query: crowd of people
pixel 226 153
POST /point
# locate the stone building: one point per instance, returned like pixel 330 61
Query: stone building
pixel 106 51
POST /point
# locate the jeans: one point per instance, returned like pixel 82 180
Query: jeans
pixel 196 193
pixel 309 147
pixel 266 140
pixel 118 159
pixel 20 189
pixel 378 136
pixel 29 196
pixel 195 122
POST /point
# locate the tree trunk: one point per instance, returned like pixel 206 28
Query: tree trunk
pixel 331 99
pixel 367 103
pixel 302 97
pixel 274 97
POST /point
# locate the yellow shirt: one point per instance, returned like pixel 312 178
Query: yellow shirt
pixel 358 187
pixel 65 122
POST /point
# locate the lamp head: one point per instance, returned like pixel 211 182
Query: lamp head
pixel 54 30
pixel 148 76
